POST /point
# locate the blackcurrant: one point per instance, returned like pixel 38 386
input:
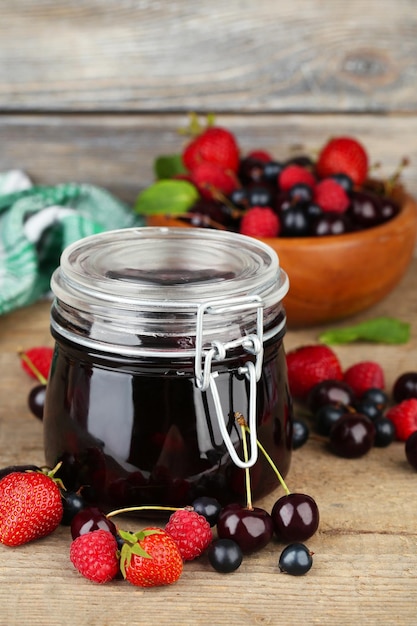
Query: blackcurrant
pixel 225 555
pixel 327 416
pixel 384 432
pixel 300 433
pixel 296 559
pixel 208 508
pixel 72 503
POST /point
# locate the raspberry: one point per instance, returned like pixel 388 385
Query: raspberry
pixel 209 178
pixel 404 418
pixel 363 376
pixel 343 155
pixel 191 532
pixel 260 155
pixel 260 222
pixel 94 555
pixel 215 145
pixel 40 357
pixel 309 365
pixel 330 196
pixel 294 174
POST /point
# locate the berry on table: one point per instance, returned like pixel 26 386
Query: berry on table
pixel 363 376
pixel 327 416
pixel 30 507
pixel 36 400
pixel 250 528
pixel 296 559
pixel 300 433
pixel 94 555
pixel 89 519
pixel 405 387
pixel 150 558
pixel 309 365
pixel 225 555
pixel 330 391
pixel 208 507
pixel 352 436
pixel 295 517
pixel 404 418
pixel 384 432
pixel 191 532
pixel 411 449
pixel 37 360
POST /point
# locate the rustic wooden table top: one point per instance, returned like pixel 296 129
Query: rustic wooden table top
pixel 365 552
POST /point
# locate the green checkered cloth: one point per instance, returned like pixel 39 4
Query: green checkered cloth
pixel 37 222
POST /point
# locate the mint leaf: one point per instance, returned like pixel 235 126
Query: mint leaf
pixel 378 330
pixel 166 197
pixel 168 166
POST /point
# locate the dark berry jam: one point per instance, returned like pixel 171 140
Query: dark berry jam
pixel 135 432
pixel 162 336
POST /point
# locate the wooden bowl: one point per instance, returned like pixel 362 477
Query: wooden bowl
pixel 337 276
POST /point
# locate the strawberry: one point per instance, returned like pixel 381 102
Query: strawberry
pixel 215 145
pixel 37 361
pixel 150 558
pixel 210 179
pixel 191 532
pixel 95 555
pixel 363 376
pixel 30 507
pixel 292 175
pixel 404 418
pixel 260 222
pixel 330 196
pixel 343 155
pixel 309 365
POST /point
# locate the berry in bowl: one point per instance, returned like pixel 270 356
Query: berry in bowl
pixel 344 239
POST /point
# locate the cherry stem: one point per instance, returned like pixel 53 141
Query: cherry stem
pixel 272 464
pixel 41 378
pixel 242 423
pixel 149 507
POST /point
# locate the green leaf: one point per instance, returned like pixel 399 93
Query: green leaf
pixel 166 197
pixel 378 330
pixel 168 166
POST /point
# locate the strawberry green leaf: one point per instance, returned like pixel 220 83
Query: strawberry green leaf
pixel 379 330
pixel 168 166
pixel 166 197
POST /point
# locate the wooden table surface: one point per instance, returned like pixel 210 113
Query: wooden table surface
pixel 365 552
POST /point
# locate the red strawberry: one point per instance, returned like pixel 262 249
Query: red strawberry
pixel 260 222
pixel 209 178
pixel 330 196
pixel 37 361
pixel 343 155
pixel 191 532
pixel 94 555
pixel 363 376
pixel 404 418
pixel 294 174
pixel 30 507
pixel 215 145
pixel 309 365
pixel 150 558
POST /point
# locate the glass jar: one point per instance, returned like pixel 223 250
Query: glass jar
pixel 161 336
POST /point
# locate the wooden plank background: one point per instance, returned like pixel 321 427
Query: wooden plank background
pixel 92 90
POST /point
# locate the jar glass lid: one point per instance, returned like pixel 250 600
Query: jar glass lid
pixel 153 279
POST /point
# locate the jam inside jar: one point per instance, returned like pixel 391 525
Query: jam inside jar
pixel 161 337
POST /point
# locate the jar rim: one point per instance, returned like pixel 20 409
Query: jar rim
pixel 169 268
